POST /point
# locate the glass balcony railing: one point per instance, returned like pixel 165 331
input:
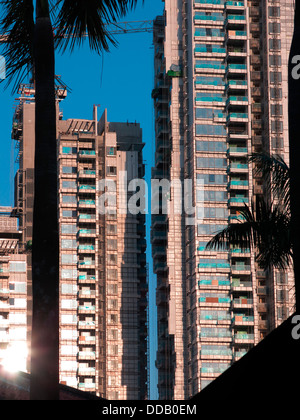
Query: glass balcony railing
pixel 86 247
pixel 87 187
pixel 87 153
pixel 87 202
pixel 242 318
pixel 237 183
pixel 238 200
pixel 237 149
pixel 87 172
pixel 87 217
pixel 243 301
pixel 235 165
pixel 237 99
pixel 244 336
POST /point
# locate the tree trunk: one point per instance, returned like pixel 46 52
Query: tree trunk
pixel 294 143
pixel 44 383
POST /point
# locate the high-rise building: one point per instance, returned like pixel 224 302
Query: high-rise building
pixel 13 293
pixel 103 270
pixel 220 94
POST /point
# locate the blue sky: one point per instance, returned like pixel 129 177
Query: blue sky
pixel 120 81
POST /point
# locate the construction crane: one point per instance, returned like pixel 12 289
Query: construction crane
pixel 116 28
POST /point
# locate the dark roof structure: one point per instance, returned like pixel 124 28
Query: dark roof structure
pixel 16 386
pixel 269 373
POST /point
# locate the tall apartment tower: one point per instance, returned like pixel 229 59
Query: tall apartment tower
pixel 13 293
pixel 220 94
pixel 103 272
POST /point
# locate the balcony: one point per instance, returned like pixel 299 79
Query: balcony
pixel 87 173
pixel 86 233
pixel 237 85
pixel 86 279
pixel 237 117
pixel 87 188
pixel 237 151
pixel 241 268
pixel 241 319
pixel 233 218
pixel 86 248
pixel 87 203
pixel 158 251
pixel 234 5
pixel 242 302
pixel 238 201
pixel 237 100
pixel 157 236
pixel 86 371
pixel 87 154
pixel 86 309
pixel 87 218
pixel 236 167
pixel 233 20
pixel 243 337
pixel 90 387
pixel 86 325
pixel 236 35
pixel 86 264
pixel 238 185
pixel 160 267
pixel 86 355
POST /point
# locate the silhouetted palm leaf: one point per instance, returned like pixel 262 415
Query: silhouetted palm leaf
pixel 17 22
pixel 77 19
pixel 266 225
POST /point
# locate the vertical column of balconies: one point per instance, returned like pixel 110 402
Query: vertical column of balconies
pixel 237 106
pixel 87 262
pixel 4 307
pixel 213 353
pixel 67 170
pixel 159 225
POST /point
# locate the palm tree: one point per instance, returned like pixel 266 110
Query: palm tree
pixel 265 225
pixel 294 112
pixel 31 49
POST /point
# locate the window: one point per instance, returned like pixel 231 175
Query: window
pixel 69 229
pixel 69 199
pixel 207 162
pixel 275 60
pixel 69 185
pixel 69 213
pixel 210 130
pixel 275 77
pixel 275 44
pixel 69 258
pixel 69 170
pixel 17 266
pixel 211 146
pixel 111 170
pixel 274 28
pixel 111 151
pixel 69 150
pixel 276 110
pixel 69 244
pixel 69 274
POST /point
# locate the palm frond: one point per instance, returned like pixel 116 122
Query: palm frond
pixel 265 230
pixel 18 23
pixel 276 174
pixel 77 19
